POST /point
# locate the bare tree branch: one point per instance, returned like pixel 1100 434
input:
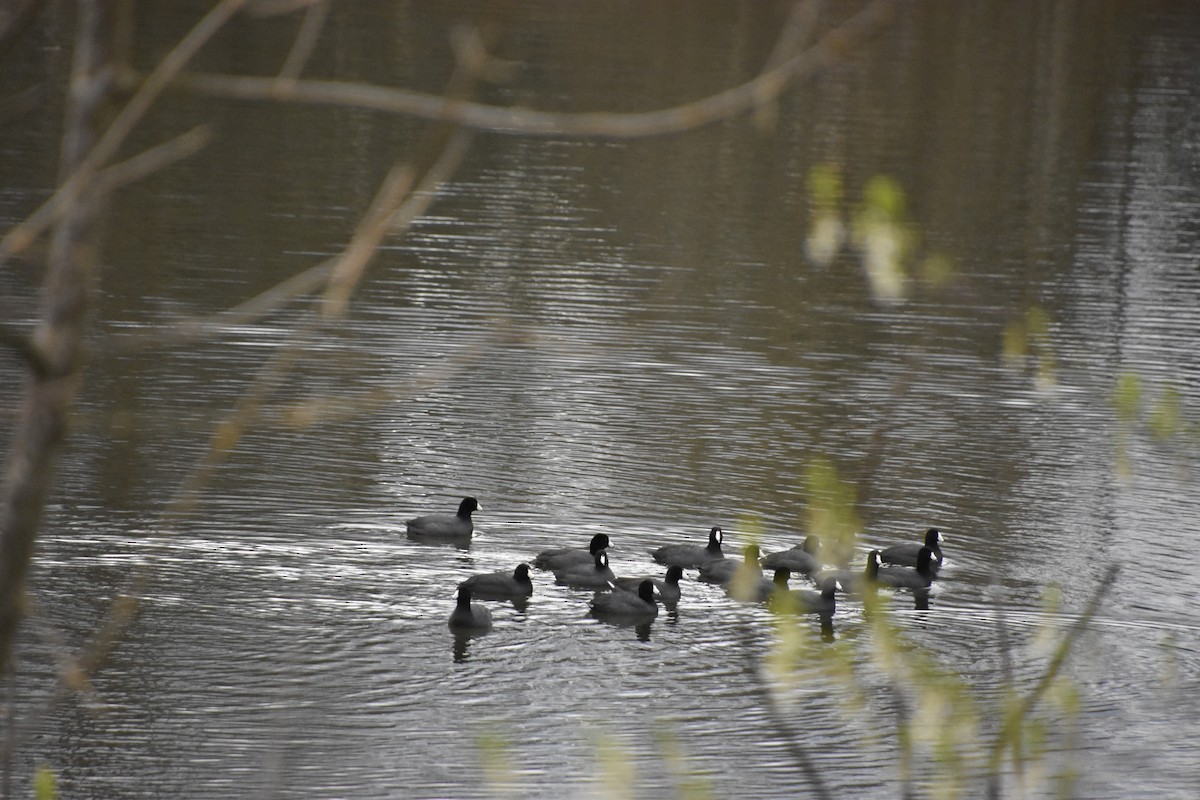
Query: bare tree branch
pixel 792 739
pixel 21 236
pixel 390 210
pixel 1006 736
pixel 763 88
pixel 57 343
pixel 306 40
pixel 19 343
pixel 156 158
pixel 797 31
pixel 276 8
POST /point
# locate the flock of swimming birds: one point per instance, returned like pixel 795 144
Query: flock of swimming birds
pixel 909 565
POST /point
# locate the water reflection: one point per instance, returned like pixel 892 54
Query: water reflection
pixel 519 604
pixel 824 619
pixel 826 627
pixel 462 543
pixel 462 642
pixel 921 599
pixel 640 627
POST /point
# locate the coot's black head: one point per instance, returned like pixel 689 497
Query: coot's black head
pixel 873 563
pixel 646 590
pixel 924 561
pixel 781 577
pixel 812 544
pixel 674 573
pixel 751 553
pixel 521 573
pixel 715 536
pixel 933 538
pixel 467 505
pixel 464 597
pixel 599 542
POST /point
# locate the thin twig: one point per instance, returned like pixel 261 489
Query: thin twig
pixel 155 159
pixel 275 8
pixel 348 270
pixel 791 737
pixel 796 32
pixel 306 40
pixel 1009 682
pixel 1005 736
pixel 20 343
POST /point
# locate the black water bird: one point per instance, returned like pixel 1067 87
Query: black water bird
pixel 500 585
pixel 468 616
pixel 445 526
pixel 690 556
pixel 725 570
pixel 764 589
pixel 803 558
pixel 807 601
pixel 596 575
pixel 626 605
pixel 906 578
pixel 905 555
pixel 856 581
pixel 560 558
pixel 667 587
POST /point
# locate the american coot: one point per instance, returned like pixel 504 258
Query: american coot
pixel 500 585
pixel 667 586
pixel 445 526
pixel 468 616
pixel 627 605
pixel 905 578
pixel 690 555
pixel 724 570
pixel 856 581
pixel 905 555
pixel 596 575
pixel 762 590
pixel 806 601
pixel 564 557
pixel 802 558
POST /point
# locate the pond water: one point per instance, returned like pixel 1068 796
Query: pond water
pixel 627 337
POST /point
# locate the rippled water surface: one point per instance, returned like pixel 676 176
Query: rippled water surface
pixel 626 337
